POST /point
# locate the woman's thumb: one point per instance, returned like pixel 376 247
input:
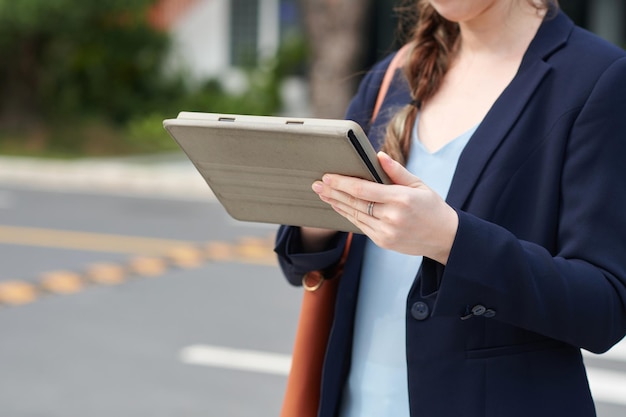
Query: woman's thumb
pixel 396 172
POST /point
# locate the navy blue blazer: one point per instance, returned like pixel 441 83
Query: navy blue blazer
pixel 538 266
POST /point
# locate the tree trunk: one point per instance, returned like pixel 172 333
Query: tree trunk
pixel 336 30
pixel 19 106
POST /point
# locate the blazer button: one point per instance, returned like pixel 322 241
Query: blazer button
pixel 420 311
pixel 478 310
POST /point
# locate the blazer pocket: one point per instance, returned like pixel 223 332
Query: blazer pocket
pixel 494 352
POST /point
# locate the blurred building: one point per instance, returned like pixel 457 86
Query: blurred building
pixel 213 37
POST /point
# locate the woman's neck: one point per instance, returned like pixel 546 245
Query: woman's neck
pixel 502 31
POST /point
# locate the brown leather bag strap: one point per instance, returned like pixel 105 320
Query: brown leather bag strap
pixel 396 62
pixel 302 394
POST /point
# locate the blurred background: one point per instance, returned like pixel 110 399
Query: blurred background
pixel 125 289
pixel 93 79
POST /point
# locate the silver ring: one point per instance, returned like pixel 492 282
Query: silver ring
pixel 370 209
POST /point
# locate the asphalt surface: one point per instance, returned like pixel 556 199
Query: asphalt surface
pixel 187 315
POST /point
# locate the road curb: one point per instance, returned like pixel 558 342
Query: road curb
pixel 173 178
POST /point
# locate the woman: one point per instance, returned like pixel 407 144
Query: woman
pixel 498 253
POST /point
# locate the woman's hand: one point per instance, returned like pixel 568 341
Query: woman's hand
pixel 406 217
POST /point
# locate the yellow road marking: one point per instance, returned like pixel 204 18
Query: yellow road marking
pixel 62 282
pixel 146 266
pixel 186 256
pixel 98 242
pixel 106 274
pixel 17 292
pixel 256 251
pixel 219 251
pixel 153 258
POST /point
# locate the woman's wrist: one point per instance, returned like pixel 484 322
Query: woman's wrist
pixel 315 239
pixel 446 238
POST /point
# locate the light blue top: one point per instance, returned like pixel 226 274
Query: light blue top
pixel 377 385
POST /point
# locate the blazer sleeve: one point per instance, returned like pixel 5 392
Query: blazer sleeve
pixel 293 261
pixel 577 295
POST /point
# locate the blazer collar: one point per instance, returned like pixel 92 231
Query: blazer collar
pixel 551 36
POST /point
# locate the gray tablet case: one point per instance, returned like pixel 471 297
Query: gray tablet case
pixel 261 168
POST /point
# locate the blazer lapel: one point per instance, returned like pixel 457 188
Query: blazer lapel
pixel 502 116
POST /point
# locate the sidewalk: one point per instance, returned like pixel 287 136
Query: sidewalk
pixel 169 175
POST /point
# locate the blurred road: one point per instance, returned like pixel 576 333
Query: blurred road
pixel 126 290
pixel 112 297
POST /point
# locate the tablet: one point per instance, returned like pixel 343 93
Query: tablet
pixel 261 168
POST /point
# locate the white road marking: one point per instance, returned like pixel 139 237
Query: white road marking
pixel 238 359
pixel 606 385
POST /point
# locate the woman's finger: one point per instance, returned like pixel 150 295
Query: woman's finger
pixel 360 219
pixel 358 188
pixel 332 195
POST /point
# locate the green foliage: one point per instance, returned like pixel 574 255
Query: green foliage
pixel 53 16
pixel 261 97
pixel 63 56
pixel 75 74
